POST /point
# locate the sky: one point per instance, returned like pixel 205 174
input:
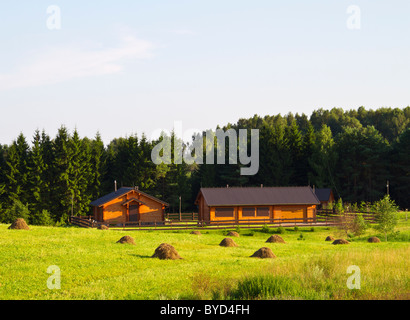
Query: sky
pixel 132 67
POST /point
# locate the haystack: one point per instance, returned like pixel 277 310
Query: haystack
pixel 166 252
pixel 127 239
pixel 196 232
pixel 276 239
pixel 228 242
pixel 373 240
pixel 340 241
pixel 233 234
pixel 264 253
pixel 19 224
pixel 330 238
pixel 103 227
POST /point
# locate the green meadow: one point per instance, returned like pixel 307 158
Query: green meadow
pixel 94 266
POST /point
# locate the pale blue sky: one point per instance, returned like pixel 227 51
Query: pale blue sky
pixel 124 67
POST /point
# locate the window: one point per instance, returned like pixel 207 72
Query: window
pixel 262 212
pixel 248 212
pixel 224 212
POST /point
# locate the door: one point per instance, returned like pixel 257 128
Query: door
pixel 134 212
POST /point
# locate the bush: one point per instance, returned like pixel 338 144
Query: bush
pixel 359 225
pixel 386 215
pixel 301 237
pixel 42 218
pixel 265 229
pixel 296 229
pixel 280 230
pixel 263 287
pixel 16 211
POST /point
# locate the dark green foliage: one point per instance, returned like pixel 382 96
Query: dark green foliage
pixel 353 152
pixel 15 211
pixel 280 230
pixel 42 218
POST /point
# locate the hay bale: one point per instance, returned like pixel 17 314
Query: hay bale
pixel 127 240
pixel 103 227
pixel 196 232
pixel 329 238
pixel 19 224
pixel 166 252
pixel 373 240
pixel 233 234
pixel 275 239
pixel 228 242
pixel 264 253
pixel 340 241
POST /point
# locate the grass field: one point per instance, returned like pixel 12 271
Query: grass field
pixel 94 266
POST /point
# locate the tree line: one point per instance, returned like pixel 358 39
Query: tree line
pixel 354 152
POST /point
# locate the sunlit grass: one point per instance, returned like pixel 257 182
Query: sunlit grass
pixel 94 266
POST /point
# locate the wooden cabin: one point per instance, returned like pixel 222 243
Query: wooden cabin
pixel 253 203
pixel 325 195
pixel 128 205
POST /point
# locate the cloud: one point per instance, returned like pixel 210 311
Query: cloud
pixel 182 32
pixel 63 63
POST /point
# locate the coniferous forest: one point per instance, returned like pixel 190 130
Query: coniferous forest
pixel 354 152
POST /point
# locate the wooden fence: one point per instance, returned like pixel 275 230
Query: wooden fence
pixel 322 218
pixel 85 222
pixel 338 218
pixel 190 216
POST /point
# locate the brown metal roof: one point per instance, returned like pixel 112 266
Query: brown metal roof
pixel 233 196
pixel 323 194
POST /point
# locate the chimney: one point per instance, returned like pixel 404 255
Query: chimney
pixel 261 185
pixel 115 185
pixel 227 185
pixel 313 188
pixel 136 188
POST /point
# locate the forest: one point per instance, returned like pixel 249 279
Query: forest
pixel 355 152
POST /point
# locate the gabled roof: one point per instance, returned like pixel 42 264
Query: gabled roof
pixel 132 200
pixel 119 193
pixel 233 196
pixel 323 194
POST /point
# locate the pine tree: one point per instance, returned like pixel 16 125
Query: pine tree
pixel 98 166
pixel 295 145
pixel 17 170
pixel 79 174
pixel 37 185
pixel 62 195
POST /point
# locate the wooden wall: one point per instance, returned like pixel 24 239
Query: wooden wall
pixel 115 212
pixel 300 212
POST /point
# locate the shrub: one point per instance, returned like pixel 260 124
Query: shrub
pixel 42 218
pixel 359 225
pixel 386 215
pixel 265 229
pixel 296 229
pixel 15 211
pixel 281 230
pixel 264 287
pixel 339 206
